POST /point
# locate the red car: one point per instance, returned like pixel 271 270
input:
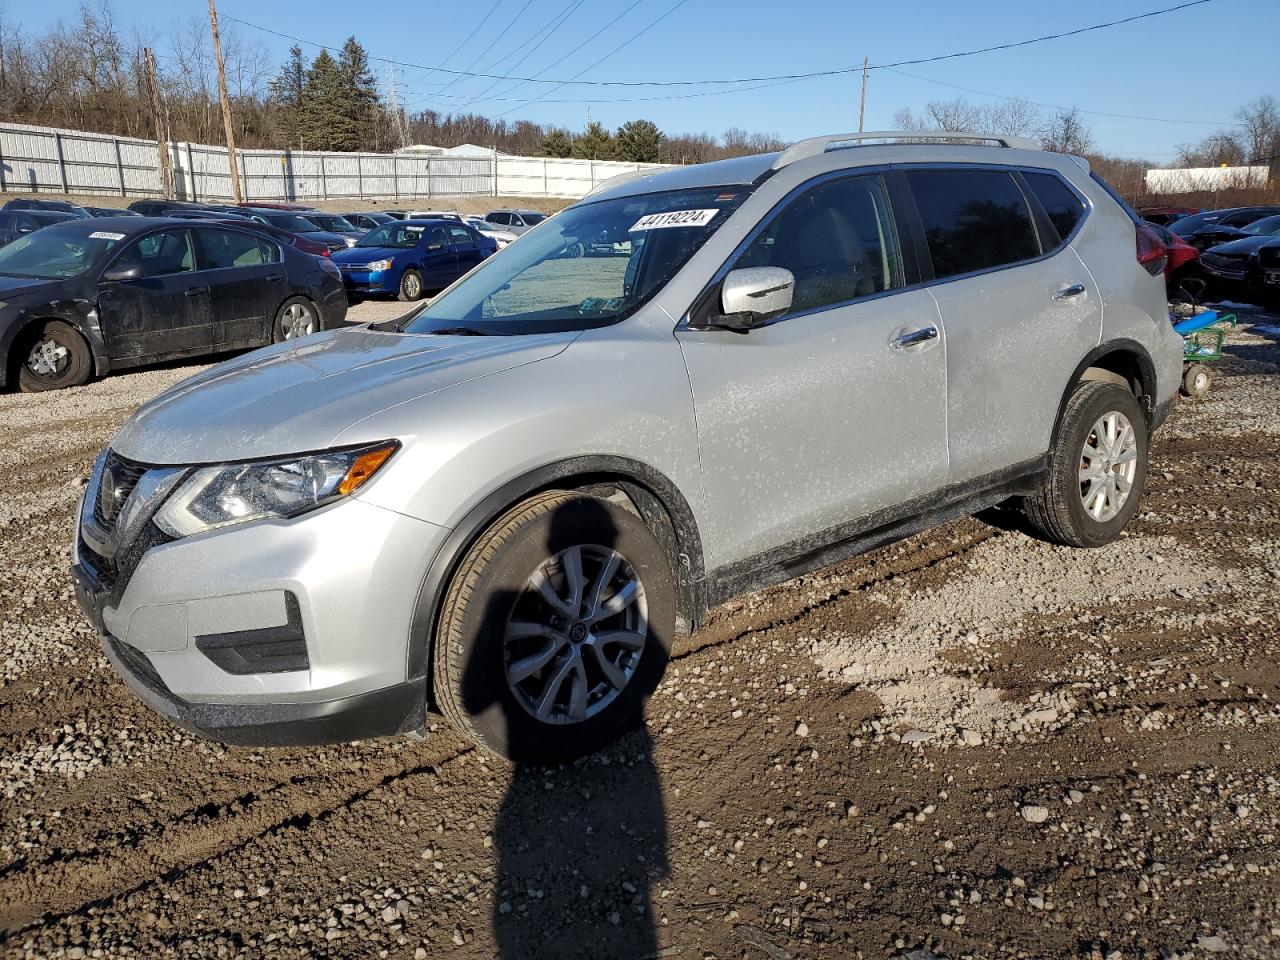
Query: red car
pixel 1182 256
pixel 277 206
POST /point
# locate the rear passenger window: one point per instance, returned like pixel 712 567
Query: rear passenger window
pixel 223 248
pixel 973 220
pixel 461 236
pixel 838 240
pixel 1061 204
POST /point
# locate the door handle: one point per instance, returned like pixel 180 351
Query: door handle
pixel 272 276
pixel 913 338
pixel 194 291
pixel 1068 292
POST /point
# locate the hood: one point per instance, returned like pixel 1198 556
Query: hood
pixel 322 236
pixel 367 254
pixel 11 286
pixel 1244 247
pixel 294 398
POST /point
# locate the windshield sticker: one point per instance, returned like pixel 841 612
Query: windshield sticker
pixel 414 229
pixel 674 218
pixel 104 235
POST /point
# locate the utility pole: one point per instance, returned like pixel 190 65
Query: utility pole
pixel 401 129
pixel 226 104
pixel 162 146
pixel 862 106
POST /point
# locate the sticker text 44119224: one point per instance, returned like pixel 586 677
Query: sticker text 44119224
pixel 673 218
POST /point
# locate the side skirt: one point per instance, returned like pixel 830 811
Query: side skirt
pixel 875 530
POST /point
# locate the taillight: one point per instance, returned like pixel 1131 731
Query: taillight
pixel 1152 253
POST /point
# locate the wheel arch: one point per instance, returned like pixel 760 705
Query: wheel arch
pixel 644 490
pixel 22 326
pixel 1123 362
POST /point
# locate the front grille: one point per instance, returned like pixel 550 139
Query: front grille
pixel 1269 256
pixel 124 476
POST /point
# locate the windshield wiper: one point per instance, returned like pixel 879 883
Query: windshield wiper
pixel 457 332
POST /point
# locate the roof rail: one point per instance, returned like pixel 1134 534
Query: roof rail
pixel 815 146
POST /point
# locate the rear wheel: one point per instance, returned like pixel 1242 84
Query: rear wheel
pixel 411 285
pixel 555 629
pixel 1196 381
pixel 52 356
pixel 297 317
pixel 1097 468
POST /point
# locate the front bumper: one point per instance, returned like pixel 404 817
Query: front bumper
pixel 271 632
pixel 369 281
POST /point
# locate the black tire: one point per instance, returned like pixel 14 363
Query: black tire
pixel 1057 510
pixel 471 649
pixel 1196 381
pixel 287 319
pixel 411 287
pixel 64 361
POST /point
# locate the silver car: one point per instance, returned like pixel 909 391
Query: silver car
pixel 515 221
pixel 509 503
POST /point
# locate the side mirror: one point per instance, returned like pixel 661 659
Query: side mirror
pixel 121 271
pixel 753 296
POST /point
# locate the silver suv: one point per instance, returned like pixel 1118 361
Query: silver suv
pixel 508 503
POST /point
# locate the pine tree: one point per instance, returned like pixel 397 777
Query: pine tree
pixel 556 144
pixel 360 102
pixel 324 124
pixel 286 92
pixel 594 143
pixel 640 141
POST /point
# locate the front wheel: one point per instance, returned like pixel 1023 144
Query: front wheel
pixel 1097 468
pixel 410 285
pixel 555 629
pixel 53 356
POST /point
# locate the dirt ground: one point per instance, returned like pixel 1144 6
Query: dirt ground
pixel 968 744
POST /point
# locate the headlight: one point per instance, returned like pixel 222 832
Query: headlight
pixel 349 241
pixel 238 492
pixel 380 265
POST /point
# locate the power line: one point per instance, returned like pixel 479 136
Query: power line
pixel 456 50
pixel 1055 106
pixel 737 80
pixel 635 36
pixel 502 33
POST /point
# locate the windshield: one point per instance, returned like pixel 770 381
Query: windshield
pixel 1189 225
pixel 1266 227
pixel 394 234
pixel 57 252
pixel 590 266
pixel 290 221
pixel 331 221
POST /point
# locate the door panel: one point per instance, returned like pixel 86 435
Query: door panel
pixel 163 311
pixel 246 285
pixel 464 247
pixel 823 416
pixel 439 267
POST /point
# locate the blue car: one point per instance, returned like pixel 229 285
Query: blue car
pixel 411 257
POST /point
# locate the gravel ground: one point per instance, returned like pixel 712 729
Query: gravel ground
pixel 968 744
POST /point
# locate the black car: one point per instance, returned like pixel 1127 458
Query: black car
pixel 368 219
pixel 201 214
pixel 80 298
pixel 50 206
pixel 15 223
pixel 335 223
pixel 160 208
pixel 301 224
pixel 1236 269
pixel 1204 230
pixel 110 212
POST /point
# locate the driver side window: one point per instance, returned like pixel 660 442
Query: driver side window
pixel 160 254
pixel 838 240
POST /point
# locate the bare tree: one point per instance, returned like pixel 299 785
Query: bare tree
pixel 1067 132
pixel 1260 128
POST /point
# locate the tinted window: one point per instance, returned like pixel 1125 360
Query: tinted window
pixel 224 248
pixel 502 218
pixel 1062 205
pixel 160 254
pixel 533 219
pixel 461 236
pixel 837 239
pixel 27 222
pixel 973 219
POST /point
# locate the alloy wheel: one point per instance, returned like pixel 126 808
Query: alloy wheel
pixel 1108 465
pixel 576 634
pixel 298 321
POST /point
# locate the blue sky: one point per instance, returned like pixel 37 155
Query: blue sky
pixel 1152 68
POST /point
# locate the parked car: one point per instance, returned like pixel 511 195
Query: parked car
pixel 160 208
pixel 511 500
pixel 110 212
pixel 369 219
pixel 16 223
pixel 1221 233
pixel 83 298
pixel 433 215
pixel 515 221
pixel 1181 258
pixel 410 258
pixel 312 247
pixel 1204 229
pixel 276 205
pixel 336 223
pixel 1267 264
pixel 495 233
pixel 48 206
pixel 202 214
pixel 396 214
pixel 302 226
pixel 1233 269
pixel 1163 216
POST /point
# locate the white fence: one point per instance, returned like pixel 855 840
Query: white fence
pixel 1192 179
pixel 44 159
